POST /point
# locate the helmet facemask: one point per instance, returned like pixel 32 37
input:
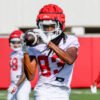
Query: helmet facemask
pixel 15 44
pixel 50 28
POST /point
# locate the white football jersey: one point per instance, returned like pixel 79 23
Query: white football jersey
pixel 16 65
pixel 52 70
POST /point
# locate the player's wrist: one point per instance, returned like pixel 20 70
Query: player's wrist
pixel 24 49
pixel 16 85
pixel 12 88
pixel 50 44
pixel 47 42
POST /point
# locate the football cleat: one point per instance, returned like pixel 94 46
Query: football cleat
pixel 93 89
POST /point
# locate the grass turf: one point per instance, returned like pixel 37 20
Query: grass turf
pixel 76 94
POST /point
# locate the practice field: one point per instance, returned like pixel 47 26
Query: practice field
pixel 76 94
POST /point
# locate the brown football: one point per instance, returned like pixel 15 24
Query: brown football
pixel 31 38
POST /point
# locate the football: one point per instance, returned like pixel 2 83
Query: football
pixel 31 38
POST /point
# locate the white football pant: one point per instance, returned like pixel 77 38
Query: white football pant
pixel 51 92
pixel 22 93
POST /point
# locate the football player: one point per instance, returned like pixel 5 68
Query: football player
pixel 54 56
pixel 20 87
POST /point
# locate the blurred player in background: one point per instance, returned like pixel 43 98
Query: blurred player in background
pixel 93 87
pixel 54 55
pixel 20 87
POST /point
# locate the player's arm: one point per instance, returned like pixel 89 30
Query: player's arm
pixel 22 78
pixel 68 56
pixel 29 66
pixel 13 87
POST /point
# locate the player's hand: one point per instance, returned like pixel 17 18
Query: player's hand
pixel 24 47
pixel 41 34
pixel 12 88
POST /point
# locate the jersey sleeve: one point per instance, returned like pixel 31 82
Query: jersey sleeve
pixel 73 42
pixel 31 51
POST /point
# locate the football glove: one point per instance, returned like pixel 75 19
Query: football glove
pixel 40 33
pixel 24 47
pixel 12 88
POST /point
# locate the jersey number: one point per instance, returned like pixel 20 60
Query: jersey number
pixel 44 65
pixel 14 64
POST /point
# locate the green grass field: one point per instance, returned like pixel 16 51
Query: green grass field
pixel 76 94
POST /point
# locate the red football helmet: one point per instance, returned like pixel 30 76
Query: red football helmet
pixel 53 15
pixel 15 40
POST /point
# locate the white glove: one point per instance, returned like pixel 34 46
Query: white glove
pixel 41 34
pixel 24 47
pixel 93 89
pixel 12 88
